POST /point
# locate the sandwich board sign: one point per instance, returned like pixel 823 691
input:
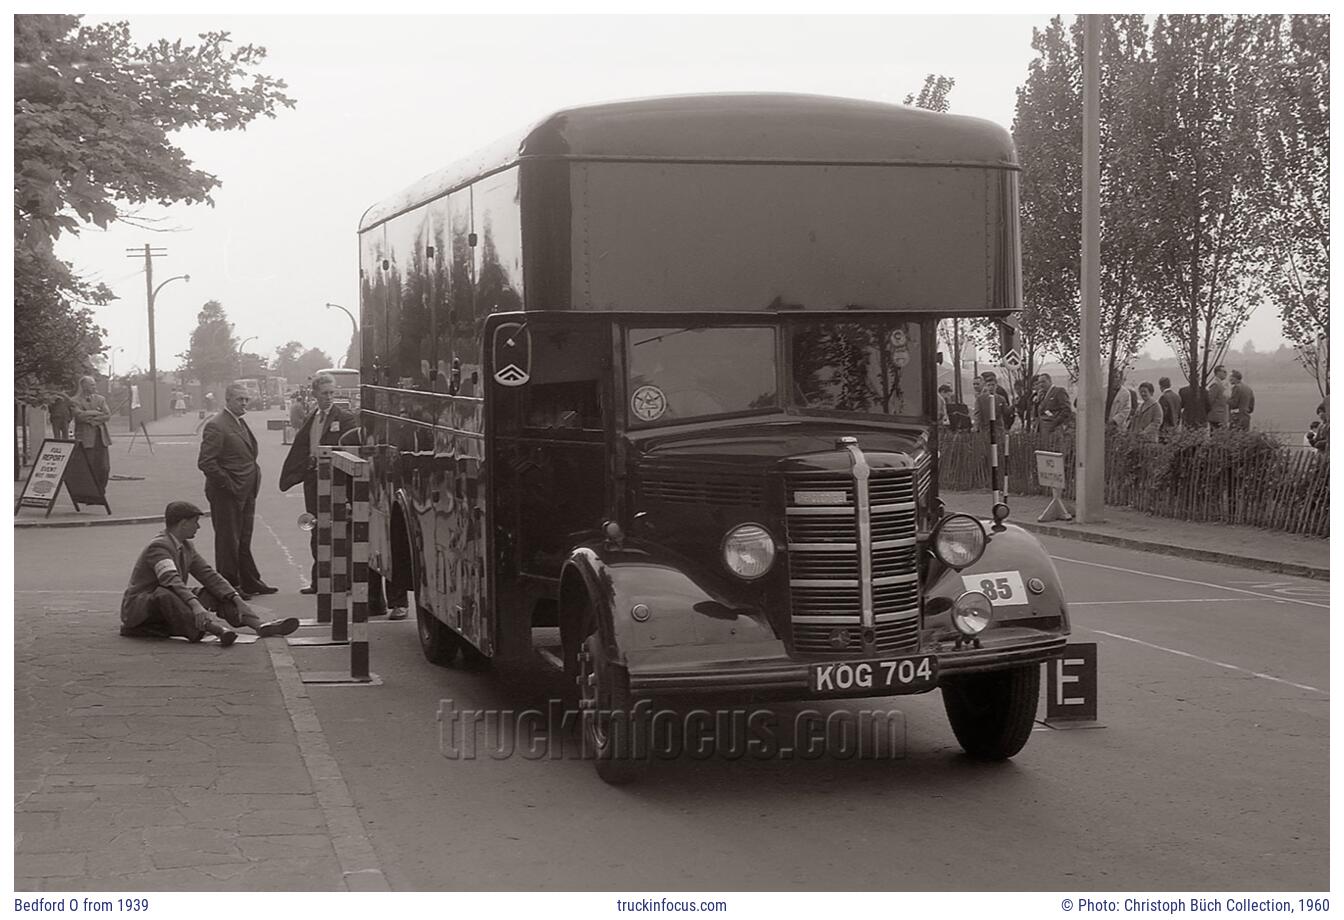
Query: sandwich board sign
pixel 61 463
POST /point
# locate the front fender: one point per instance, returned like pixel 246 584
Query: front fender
pixel 1011 550
pixel 684 609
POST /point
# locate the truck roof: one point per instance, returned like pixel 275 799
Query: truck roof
pixel 728 128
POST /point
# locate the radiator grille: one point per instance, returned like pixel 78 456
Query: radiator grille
pixel 824 569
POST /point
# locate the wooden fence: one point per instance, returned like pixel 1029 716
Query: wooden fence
pixel 1271 487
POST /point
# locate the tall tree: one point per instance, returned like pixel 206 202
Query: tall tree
pixel 92 117
pixel 213 355
pixel 309 363
pixel 1295 140
pixel 1048 134
pixel 286 357
pixel 1199 183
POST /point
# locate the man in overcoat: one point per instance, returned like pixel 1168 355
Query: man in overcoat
pixel 228 458
pixel 324 426
pixel 158 603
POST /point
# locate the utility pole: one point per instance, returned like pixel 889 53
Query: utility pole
pixel 1090 465
pixel 148 254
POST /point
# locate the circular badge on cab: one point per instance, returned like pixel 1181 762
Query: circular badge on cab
pixel 648 404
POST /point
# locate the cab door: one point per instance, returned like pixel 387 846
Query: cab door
pixel 549 464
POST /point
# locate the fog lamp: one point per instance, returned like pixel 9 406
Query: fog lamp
pixel 972 613
pixel 307 521
pixel 749 551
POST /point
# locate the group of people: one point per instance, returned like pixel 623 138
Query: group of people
pixel 1227 402
pixel 157 602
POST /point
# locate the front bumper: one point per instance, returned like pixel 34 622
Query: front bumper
pixel 770 672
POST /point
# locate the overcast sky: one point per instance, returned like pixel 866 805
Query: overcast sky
pixel 384 100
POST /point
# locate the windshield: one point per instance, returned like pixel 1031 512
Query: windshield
pixel 682 372
pixel 871 367
pixel 344 378
pixel 678 373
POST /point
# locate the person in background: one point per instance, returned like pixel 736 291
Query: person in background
pixel 977 387
pixel 1194 406
pixel 1240 404
pixel 1319 435
pixel 1147 418
pixel 1053 410
pixel 228 458
pixel 1218 408
pixel 1005 406
pixel 1171 405
pixel 91 417
pixel 944 397
pixel 324 425
pixel 157 602
pixel 179 403
pixel 1123 404
pixel 60 411
pixel 1024 404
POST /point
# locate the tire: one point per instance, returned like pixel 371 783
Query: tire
pixel 439 643
pixel 992 713
pixel 614 729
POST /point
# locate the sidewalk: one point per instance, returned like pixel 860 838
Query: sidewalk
pixel 158 765
pixel 1249 547
pixel 145 477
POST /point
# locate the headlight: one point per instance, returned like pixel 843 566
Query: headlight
pixel 749 551
pixel 959 540
pixel 972 612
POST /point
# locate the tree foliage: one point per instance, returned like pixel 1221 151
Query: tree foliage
pixel 286 358
pixel 1048 134
pixel 212 357
pixel 933 94
pixel 1199 180
pixel 309 363
pixel 1295 144
pixel 93 115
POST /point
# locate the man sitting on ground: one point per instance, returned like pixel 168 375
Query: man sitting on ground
pixel 158 603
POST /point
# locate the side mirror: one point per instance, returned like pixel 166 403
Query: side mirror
pixel 511 354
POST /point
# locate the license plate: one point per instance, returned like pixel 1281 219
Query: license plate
pixel 881 677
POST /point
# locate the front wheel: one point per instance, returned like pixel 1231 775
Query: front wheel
pixel 614 730
pixel 992 713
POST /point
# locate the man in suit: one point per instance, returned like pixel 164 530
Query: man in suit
pixel 91 418
pixel 1241 403
pixel 1171 405
pixel 1218 393
pixel 324 425
pixel 228 458
pixel 1194 406
pixel 1053 409
pixel 158 603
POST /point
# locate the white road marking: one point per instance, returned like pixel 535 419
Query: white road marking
pixel 285 549
pixel 1191 581
pixel 1171 600
pixel 1221 664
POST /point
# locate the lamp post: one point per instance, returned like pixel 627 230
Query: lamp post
pixel 241 345
pixel 353 325
pixel 153 292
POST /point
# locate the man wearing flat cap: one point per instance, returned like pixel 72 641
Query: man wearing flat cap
pixel 158 603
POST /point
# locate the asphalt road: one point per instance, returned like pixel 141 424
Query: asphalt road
pixel 1210 771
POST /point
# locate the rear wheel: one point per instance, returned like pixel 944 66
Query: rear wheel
pixel 439 643
pixel 614 730
pixel 992 713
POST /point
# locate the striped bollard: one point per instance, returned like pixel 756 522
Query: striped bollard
pixel 324 535
pixel 350 557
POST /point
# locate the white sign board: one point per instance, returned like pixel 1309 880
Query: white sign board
pixel 45 479
pixel 1050 468
pixel 135 397
pixel 1012 360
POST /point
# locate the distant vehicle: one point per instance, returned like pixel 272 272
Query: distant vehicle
pixel 273 392
pixel 347 385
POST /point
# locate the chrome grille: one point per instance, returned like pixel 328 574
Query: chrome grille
pixel 824 565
